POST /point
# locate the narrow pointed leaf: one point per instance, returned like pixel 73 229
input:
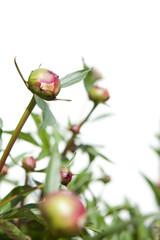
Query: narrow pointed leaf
pixel 25 136
pixel 29 211
pixel 42 133
pixel 11 230
pixel 73 78
pixel 48 117
pixel 53 172
pixel 14 192
pixel 154 188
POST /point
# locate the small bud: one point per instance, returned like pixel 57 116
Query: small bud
pixel 4 170
pixel 66 176
pixel 98 94
pixel 106 178
pixel 75 128
pixel 97 74
pixel 64 213
pixel 44 83
pixel 29 163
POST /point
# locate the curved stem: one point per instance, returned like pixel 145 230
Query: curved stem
pixel 71 140
pixel 16 132
pixel 25 82
pixel 94 106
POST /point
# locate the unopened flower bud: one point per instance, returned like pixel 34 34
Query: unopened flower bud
pixel 64 213
pixel 75 128
pixel 4 170
pixel 98 94
pixel 29 163
pixel 106 179
pixel 44 83
pixel 66 176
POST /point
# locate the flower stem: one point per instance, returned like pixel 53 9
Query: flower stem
pixel 16 132
pixel 71 140
pixel 94 106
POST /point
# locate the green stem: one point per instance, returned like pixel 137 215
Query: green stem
pixel 71 140
pixel 25 82
pixel 21 194
pixel 16 132
pixel 94 106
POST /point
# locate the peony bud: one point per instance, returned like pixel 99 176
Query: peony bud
pixel 44 83
pixel 64 213
pixel 98 94
pixel 106 179
pixel 66 176
pixel 4 170
pixel 75 128
pixel 29 163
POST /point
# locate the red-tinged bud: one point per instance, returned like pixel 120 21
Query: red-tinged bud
pixel 29 163
pixel 44 83
pixel 66 176
pixel 106 178
pixel 64 213
pixel 4 170
pixel 75 128
pixel 98 94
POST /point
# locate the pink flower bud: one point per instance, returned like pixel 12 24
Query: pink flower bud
pixel 66 176
pixel 4 170
pixel 44 83
pixel 29 163
pixel 64 213
pixel 98 94
pixel 75 128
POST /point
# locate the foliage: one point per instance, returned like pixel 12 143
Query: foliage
pixel 18 219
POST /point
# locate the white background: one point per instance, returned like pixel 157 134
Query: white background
pixel 119 38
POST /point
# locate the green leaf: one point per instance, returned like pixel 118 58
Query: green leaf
pixel 29 211
pixel 70 161
pixel 45 152
pixel 73 78
pixel 42 133
pixel 11 230
pixel 93 152
pixel 25 136
pixel 1 123
pixel 119 227
pixel 101 117
pixel 154 188
pixel 48 117
pixel 16 159
pixel 9 205
pixel 90 79
pixel 93 227
pixel 53 172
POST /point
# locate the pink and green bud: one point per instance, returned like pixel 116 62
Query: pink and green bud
pixel 4 170
pixel 64 213
pixel 106 179
pixel 75 128
pixel 66 176
pixel 98 94
pixel 29 163
pixel 44 83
